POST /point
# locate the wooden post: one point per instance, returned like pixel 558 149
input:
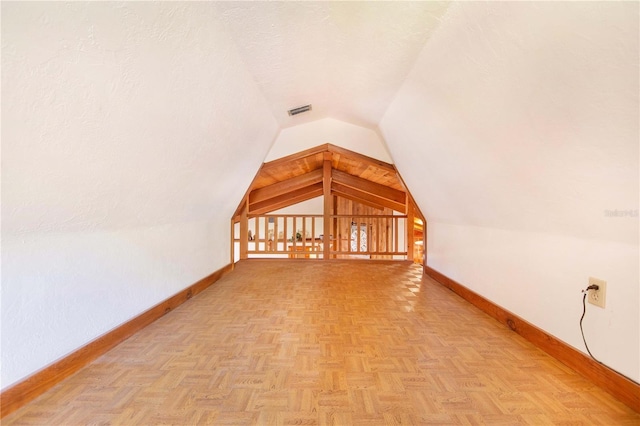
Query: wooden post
pixel 335 229
pixel 304 233
pixel 233 243
pixel 284 233
pixel 424 242
pixel 244 232
pixel 410 222
pixel 326 187
pixel 256 237
pixel 396 231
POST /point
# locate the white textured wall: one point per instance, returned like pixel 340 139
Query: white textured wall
pixel 517 131
pixel 123 126
pixel 538 276
pixel 336 132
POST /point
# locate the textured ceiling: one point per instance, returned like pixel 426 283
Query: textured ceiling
pixel 348 59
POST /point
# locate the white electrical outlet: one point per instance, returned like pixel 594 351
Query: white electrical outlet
pixel 597 297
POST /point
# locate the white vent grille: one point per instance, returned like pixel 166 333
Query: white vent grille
pixel 299 110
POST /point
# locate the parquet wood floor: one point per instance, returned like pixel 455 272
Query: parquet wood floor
pixel 309 342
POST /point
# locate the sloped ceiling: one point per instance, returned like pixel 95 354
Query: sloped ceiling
pixel 347 58
pixel 504 115
pixel 524 116
pixel 497 114
pixel 122 115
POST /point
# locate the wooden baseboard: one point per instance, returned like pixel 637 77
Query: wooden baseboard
pixel 619 386
pixel 35 385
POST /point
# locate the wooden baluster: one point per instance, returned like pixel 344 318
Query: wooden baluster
pixel 284 233
pixel 304 233
pixel 313 234
pixel 396 231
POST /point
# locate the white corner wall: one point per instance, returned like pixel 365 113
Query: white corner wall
pixel 328 130
pixel 130 131
pixel 517 133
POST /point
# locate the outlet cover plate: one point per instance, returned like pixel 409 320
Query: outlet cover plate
pixel 597 297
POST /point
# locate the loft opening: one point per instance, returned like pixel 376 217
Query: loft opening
pixel 328 202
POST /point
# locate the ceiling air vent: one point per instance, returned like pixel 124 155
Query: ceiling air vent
pixel 299 110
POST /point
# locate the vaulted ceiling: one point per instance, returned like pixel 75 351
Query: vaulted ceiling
pixel 141 109
pixel 347 58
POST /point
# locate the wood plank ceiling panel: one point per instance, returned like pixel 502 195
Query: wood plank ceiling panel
pixel 292 179
pixel 286 200
pixel 286 186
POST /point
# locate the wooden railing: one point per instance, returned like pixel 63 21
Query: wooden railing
pixel 374 236
pixel 280 235
pixel 302 236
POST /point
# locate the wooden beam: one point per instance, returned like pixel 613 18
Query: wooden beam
pixel 365 196
pixel 279 162
pixel 286 200
pixel 369 187
pixel 286 186
pixel 326 189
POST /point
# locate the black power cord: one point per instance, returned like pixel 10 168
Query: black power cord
pixel 584 311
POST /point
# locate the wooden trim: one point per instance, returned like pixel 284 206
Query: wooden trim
pixel 35 385
pixel 616 384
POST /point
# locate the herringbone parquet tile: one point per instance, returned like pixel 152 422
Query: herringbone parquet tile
pixel 315 343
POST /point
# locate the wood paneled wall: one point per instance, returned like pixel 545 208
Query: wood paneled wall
pixel 381 236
